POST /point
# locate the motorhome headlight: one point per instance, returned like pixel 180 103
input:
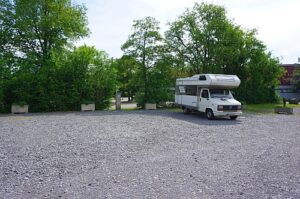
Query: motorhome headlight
pixel 239 107
pixel 220 107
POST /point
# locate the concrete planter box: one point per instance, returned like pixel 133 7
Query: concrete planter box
pixel 283 110
pixel 15 109
pixel 149 106
pixel 87 107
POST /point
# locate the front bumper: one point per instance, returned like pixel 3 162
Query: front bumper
pixel 227 113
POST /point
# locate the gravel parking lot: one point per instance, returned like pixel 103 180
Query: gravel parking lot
pixel 149 154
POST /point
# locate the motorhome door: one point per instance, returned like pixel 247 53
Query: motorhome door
pixel 203 100
pixel 198 97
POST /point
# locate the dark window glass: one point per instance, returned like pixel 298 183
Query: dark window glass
pixel 204 94
pixel 191 90
pixel 186 90
pixel 202 77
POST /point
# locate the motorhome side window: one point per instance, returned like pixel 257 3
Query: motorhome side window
pixel 180 90
pixel 191 90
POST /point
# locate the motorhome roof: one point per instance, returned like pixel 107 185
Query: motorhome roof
pixel 197 76
pixel 211 80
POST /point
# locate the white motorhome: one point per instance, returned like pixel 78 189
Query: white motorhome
pixel 209 93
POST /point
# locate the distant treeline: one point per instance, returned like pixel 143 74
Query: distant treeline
pixel 40 66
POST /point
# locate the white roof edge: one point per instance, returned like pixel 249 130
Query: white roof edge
pixel 196 77
pixel 212 80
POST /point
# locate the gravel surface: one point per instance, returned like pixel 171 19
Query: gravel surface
pixel 149 154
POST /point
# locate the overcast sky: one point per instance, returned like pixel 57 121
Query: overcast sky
pixel 277 21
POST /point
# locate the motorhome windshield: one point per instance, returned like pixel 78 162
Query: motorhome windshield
pixel 220 93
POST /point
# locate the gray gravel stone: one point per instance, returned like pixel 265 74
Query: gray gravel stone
pixel 149 154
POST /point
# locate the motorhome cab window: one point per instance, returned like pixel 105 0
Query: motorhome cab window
pixel 204 94
pixel 220 93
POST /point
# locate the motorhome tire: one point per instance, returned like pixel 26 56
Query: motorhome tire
pixel 233 117
pixel 186 110
pixel 209 114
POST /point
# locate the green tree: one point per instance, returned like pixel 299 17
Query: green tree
pixel 38 27
pixel 5 51
pixel 143 44
pixel 32 34
pixel 102 81
pixel 161 81
pixel 86 74
pixel 127 68
pixel 205 40
pixel 259 72
pixel 296 78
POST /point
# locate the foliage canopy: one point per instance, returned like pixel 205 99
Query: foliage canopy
pixel 38 64
pixel 204 40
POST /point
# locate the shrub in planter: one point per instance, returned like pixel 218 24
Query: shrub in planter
pixel 19 107
pixel 150 106
pixel 294 101
pixel 87 105
pixel 283 110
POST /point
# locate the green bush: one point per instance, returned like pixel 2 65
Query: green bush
pixel 84 73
